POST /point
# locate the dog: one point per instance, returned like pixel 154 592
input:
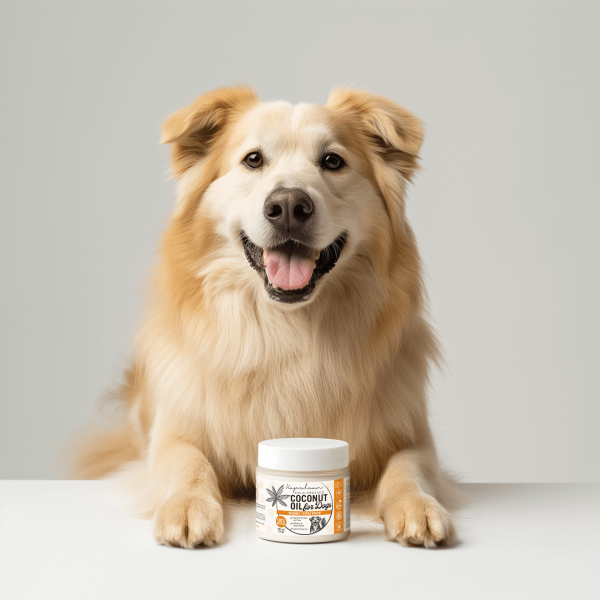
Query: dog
pixel 317 523
pixel 288 301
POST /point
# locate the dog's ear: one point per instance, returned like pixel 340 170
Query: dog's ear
pixel 193 129
pixel 394 133
pixel 391 134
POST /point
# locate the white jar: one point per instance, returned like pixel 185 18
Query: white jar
pixel 303 490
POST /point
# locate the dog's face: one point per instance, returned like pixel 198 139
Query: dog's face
pixel 295 188
pixel 293 196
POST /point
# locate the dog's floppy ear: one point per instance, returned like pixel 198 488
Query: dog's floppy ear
pixel 193 129
pixel 394 133
pixel 393 136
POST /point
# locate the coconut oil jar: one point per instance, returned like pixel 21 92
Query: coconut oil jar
pixel 303 490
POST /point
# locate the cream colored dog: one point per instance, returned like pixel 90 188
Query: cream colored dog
pixel 288 302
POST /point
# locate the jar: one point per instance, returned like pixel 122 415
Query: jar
pixel 303 490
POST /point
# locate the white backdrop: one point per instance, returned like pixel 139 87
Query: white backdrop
pixel 506 209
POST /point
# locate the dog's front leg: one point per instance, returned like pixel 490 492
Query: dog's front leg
pixel 191 513
pixel 406 500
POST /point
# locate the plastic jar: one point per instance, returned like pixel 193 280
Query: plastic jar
pixel 303 490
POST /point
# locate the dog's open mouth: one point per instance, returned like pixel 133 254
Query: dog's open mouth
pixel 290 270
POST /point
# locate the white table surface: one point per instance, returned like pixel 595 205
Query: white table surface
pixel 70 539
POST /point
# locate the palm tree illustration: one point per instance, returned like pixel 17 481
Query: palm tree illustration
pixel 276 497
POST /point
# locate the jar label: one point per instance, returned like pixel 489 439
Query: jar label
pixel 302 508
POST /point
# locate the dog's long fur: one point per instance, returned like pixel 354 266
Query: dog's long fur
pixel 220 367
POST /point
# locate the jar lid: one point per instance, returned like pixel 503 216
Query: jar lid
pixel 303 454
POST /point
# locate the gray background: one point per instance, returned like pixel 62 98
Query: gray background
pixel 506 209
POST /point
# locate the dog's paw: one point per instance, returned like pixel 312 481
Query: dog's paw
pixel 418 520
pixel 189 521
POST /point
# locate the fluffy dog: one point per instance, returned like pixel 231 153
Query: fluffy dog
pixel 287 302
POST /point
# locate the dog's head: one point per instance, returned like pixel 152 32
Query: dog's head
pixel 296 190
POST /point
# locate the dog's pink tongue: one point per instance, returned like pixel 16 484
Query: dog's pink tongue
pixel 288 269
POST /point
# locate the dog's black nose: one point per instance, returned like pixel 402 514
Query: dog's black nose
pixel 288 209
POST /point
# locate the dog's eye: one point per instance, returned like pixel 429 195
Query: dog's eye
pixel 332 162
pixel 253 160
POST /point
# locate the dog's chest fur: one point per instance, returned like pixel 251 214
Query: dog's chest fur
pixel 240 371
pixel 261 378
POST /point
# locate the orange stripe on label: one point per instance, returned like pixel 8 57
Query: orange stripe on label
pixel 304 513
pixel 338 499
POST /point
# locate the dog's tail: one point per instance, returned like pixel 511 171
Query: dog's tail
pixel 100 450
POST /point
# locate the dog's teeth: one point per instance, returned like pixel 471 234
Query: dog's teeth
pixel 264 253
pixel 317 254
